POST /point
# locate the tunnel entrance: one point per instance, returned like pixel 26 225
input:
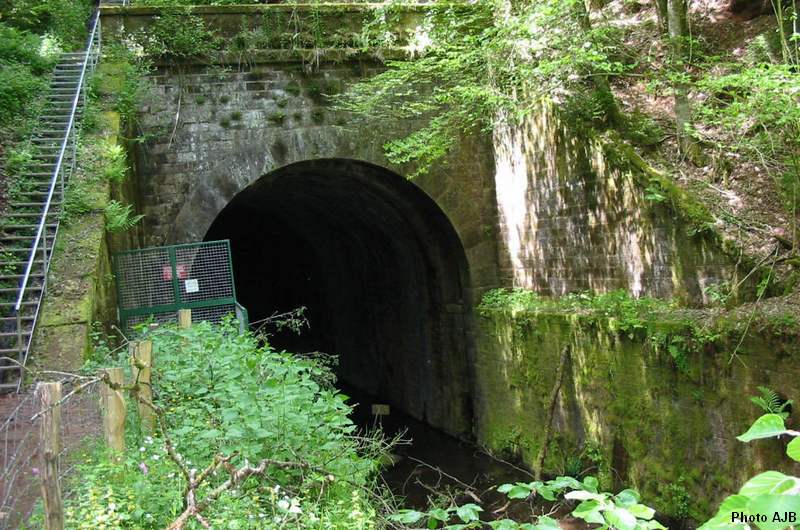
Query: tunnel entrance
pixel 379 267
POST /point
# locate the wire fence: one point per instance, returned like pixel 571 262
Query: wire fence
pixel 21 447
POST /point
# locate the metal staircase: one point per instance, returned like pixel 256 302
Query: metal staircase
pixel 30 224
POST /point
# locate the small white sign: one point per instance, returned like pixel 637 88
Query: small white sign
pixel 380 409
pixel 192 286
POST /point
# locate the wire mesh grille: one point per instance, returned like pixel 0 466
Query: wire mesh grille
pixel 213 314
pixel 207 271
pixel 144 278
pixel 154 283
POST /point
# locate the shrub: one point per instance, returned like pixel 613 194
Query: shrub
pixel 18 85
pixel 65 19
pixel 178 36
pixel 23 47
pixel 224 393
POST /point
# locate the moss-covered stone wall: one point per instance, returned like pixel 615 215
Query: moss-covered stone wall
pixel 625 410
pixel 577 212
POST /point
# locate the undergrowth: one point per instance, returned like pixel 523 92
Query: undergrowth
pixel 223 393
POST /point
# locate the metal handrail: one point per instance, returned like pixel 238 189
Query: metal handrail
pixel 92 49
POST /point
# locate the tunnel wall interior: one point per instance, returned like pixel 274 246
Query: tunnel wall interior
pixel 380 270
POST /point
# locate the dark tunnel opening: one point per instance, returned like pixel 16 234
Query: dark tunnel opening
pixel 378 266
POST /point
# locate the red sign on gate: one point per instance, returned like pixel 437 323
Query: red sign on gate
pixel 181 268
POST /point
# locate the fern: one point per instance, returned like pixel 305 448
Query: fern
pixel 119 217
pixel 771 403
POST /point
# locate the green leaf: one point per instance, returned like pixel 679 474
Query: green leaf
pixel 586 506
pixel 769 482
pixel 211 433
pixel 504 524
pixel 774 507
pixel 641 511
pixel 627 497
pixel 547 523
pixel 591 483
pixel 589 511
pixel 559 483
pixel 439 515
pixel 621 518
pixel 519 490
pixel 583 495
pixel 734 503
pixel 504 488
pixel 722 519
pixel 767 426
pixel 793 450
pixel 546 493
pixel 406 516
pixel 469 512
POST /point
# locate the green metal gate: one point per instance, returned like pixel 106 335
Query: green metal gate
pixel 154 283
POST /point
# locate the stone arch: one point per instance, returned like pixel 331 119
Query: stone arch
pixel 379 266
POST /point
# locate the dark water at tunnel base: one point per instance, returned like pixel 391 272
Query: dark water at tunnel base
pixel 431 460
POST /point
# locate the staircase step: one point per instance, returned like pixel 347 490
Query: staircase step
pixel 28 227
pixel 29 317
pixel 8 368
pixel 18 276
pixel 4 237
pixel 25 250
pixel 46 142
pixel 52 139
pixel 32 204
pixel 29 215
pixel 16 290
pixel 39 193
pixel 21 263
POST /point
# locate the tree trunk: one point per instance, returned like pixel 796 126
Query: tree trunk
pixel 661 13
pixel 678 32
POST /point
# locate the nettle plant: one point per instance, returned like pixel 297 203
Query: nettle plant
pixel 622 511
pixel 768 499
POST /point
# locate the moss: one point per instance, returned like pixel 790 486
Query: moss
pixel 683 204
pixel 318 116
pixel 277 117
pixel 293 88
pixel 624 398
pixel 319 90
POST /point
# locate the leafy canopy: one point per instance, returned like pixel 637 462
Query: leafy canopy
pixel 481 63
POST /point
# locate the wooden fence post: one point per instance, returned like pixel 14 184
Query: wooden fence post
pixel 184 318
pixel 113 404
pixel 50 438
pixel 142 362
